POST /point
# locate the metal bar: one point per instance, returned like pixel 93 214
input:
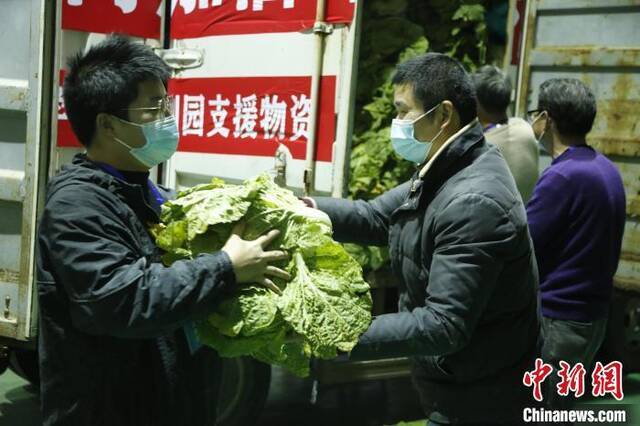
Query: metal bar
pixel 344 128
pixel 524 70
pixel 12 185
pixel 40 62
pixel 631 257
pixel 320 31
pixel 627 284
pixel 547 5
pixel 8 329
pixel 633 206
pixel 163 21
pixel 628 273
pixel 9 276
pixel 13 94
pixel 626 147
pixel 334 372
pixel 590 56
pixel 55 95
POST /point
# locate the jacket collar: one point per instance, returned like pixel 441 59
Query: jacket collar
pixel 130 193
pixel 452 150
pixel 454 147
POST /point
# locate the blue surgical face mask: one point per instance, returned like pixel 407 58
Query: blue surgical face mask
pixel 161 141
pixel 404 142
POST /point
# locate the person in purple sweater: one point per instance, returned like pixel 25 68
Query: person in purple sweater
pixel 576 218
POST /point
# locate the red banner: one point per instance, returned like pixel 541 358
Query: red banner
pixel 244 116
pixel 252 115
pixel 518 27
pixel 133 17
pixel 200 18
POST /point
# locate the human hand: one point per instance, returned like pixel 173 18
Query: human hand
pixel 315 214
pixel 250 260
pixel 309 202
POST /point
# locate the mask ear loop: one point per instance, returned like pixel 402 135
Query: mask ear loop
pixel 545 127
pixel 122 143
pixel 437 134
pixel 425 114
pixel 128 122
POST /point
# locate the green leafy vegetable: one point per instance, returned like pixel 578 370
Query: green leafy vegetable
pixel 323 309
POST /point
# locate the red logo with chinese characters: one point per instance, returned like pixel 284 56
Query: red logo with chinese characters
pixel 572 379
pixel 536 377
pixel 606 380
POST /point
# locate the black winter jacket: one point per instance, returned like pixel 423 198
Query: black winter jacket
pixel 461 252
pixel 112 347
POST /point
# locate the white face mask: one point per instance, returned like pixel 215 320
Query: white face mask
pixel 540 139
pixel 404 142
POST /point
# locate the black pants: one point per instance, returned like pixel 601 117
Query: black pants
pixel 572 342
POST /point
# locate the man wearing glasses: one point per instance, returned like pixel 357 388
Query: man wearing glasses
pixel 576 218
pixel 113 341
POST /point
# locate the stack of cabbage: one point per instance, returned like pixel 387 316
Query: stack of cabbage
pixel 323 309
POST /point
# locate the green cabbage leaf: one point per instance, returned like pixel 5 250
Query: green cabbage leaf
pixel 323 309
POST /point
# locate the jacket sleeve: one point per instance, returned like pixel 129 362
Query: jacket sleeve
pixel 363 222
pixel 473 236
pixel 111 288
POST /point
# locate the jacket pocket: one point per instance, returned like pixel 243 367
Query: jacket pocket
pixel 435 368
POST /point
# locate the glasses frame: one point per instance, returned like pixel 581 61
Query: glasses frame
pixel 166 105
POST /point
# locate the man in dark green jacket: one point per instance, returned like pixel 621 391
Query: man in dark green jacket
pixel 460 250
pixel 112 342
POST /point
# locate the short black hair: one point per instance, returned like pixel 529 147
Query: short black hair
pixel 436 77
pixel 105 80
pixel 493 88
pixel 570 103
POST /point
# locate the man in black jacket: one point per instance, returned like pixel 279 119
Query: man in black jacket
pixel 460 250
pixel 113 342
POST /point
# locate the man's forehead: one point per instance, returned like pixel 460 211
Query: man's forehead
pixel 150 90
pixel 403 96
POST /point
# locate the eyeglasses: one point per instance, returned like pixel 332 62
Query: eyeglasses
pixel 165 107
pixel 533 115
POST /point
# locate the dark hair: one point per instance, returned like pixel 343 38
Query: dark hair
pixel 435 78
pixel 105 79
pixel 570 103
pixel 493 88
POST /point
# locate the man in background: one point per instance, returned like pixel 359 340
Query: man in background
pixel 576 216
pixel 513 136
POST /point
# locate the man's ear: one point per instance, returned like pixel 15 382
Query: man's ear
pixel 104 123
pixel 447 113
pixel 549 124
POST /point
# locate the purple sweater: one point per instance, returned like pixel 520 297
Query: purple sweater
pixel 576 217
